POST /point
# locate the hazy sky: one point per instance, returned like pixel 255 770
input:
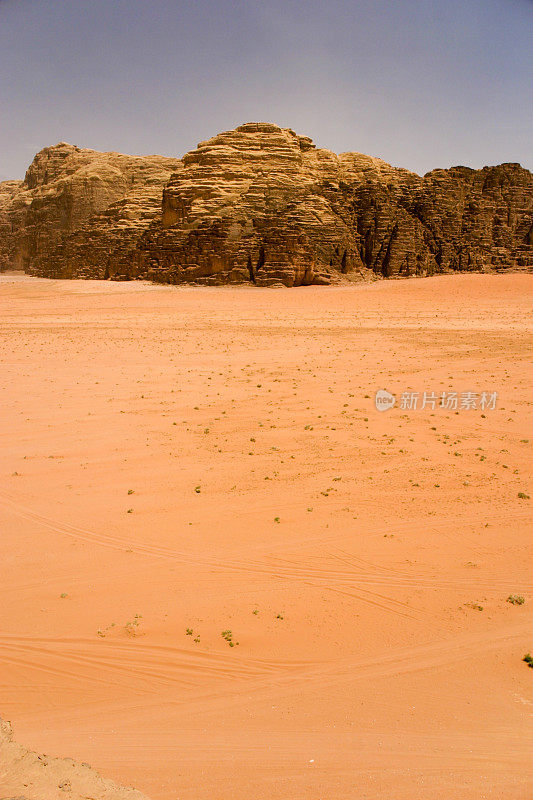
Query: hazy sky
pixel 421 83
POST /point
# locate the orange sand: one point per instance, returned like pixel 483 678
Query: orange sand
pixel 263 479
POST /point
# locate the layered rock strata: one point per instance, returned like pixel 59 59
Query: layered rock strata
pixel 79 210
pixel 260 204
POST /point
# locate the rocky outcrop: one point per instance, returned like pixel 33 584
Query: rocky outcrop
pixel 25 775
pixel 260 204
pixel 256 204
pixel 56 230
pixel 10 223
pixel 456 219
pixel 477 218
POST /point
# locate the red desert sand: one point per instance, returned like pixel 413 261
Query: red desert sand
pixel 224 574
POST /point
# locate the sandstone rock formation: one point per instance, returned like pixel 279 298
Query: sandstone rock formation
pixel 256 204
pixel 64 187
pixel 9 223
pixel 260 204
pixel 25 775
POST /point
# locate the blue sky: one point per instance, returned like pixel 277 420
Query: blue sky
pixel 420 83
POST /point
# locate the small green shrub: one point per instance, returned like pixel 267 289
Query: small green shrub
pixel 228 636
pixel 516 600
pixel 132 626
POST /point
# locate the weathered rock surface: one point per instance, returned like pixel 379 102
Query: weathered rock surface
pixel 9 224
pixel 260 204
pixel 256 204
pixel 64 188
pixel 25 775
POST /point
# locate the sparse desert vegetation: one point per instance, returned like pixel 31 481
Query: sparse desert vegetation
pixel 329 594
pixel 516 600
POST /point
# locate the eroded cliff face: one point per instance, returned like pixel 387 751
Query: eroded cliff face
pixel 55 228
pixel 260 204
pixel 9 225
pixel 263 204
pixel 256 204
pixel 477 218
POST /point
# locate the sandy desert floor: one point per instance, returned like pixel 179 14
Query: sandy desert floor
pixel 212 460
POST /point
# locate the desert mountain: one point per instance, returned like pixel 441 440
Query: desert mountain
pixel 260 204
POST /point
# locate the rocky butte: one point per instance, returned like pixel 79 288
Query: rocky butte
pixel 79 211
pixel 260 204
